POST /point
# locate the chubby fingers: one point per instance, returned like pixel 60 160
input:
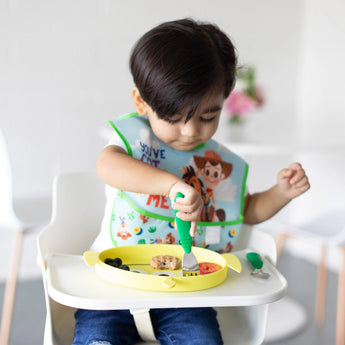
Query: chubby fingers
pixel 188 204
pixel 293 173
pixel 300 181
pixel 188 210
pixel 193 228
pixel 189 207
pixel 189 217
pixel 296 177
pixel 291 170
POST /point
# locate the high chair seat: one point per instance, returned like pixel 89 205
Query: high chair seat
pixel 78 202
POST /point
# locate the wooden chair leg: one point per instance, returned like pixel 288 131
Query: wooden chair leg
pixel 280 241
pixel 321 288
pixel 340 322
pixel 10 290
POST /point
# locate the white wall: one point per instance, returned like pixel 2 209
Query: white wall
pixel 64 72
pixel 321 111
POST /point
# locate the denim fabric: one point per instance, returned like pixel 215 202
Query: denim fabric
pixel 105 327
pixel 186 326
pixel 180 326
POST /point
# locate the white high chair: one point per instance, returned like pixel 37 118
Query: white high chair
pixel 9 222
pixel 78 206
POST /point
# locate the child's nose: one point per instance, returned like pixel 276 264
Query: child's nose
pixel 190 129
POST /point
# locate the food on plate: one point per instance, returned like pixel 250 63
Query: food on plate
pixel 165 262
pixel 124 267
pixel 117 263
pixel 208 267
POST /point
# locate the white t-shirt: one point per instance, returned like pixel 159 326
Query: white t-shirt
pixel 110 193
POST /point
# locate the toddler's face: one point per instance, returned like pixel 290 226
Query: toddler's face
pixel 185 136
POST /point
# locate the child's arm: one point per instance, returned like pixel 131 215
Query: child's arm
pixel 291 183
pixel 119 170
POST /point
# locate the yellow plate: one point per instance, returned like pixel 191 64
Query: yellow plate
pixel 138 258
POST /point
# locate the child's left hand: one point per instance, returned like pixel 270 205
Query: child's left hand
pixel 293 181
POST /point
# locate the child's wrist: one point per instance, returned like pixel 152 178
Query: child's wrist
pixel 173 190
pixel 283 195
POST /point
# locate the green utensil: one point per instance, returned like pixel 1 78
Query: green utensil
pixel 255 260
pixel 183 228
pixel 190 266
pixel 257 263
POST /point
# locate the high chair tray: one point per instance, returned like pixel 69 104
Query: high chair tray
pixel 71 282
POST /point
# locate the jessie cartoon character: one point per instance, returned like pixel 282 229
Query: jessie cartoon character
pixel 213 170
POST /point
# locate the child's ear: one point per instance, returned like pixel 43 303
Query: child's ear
pixel 139 102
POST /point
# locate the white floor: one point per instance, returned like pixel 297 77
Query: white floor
pixel 286 318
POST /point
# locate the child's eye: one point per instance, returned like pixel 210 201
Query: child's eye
pixel 172 121
pixel 208 118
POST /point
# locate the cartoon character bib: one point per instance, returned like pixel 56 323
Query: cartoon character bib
pixel 218 175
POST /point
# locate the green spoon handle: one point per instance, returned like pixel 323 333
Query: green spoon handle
pixel 255 260
pixel 183 228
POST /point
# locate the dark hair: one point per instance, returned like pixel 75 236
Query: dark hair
pixel 177 63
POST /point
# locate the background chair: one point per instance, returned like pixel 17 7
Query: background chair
pixel 78 206
pixel 10 222
pixel 326 233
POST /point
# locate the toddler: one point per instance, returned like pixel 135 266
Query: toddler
pixel 183 71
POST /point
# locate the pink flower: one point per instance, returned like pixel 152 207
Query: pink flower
pixel 238 104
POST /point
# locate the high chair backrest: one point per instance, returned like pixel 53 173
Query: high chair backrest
pixel 78 206
pixel 257 240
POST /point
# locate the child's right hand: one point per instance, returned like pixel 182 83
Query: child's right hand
pixel 189 208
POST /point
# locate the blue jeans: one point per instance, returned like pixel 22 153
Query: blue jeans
pixel 175 326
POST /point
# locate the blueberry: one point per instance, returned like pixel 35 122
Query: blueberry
pixel 118 262
pixel 108 261
pixel 124 267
